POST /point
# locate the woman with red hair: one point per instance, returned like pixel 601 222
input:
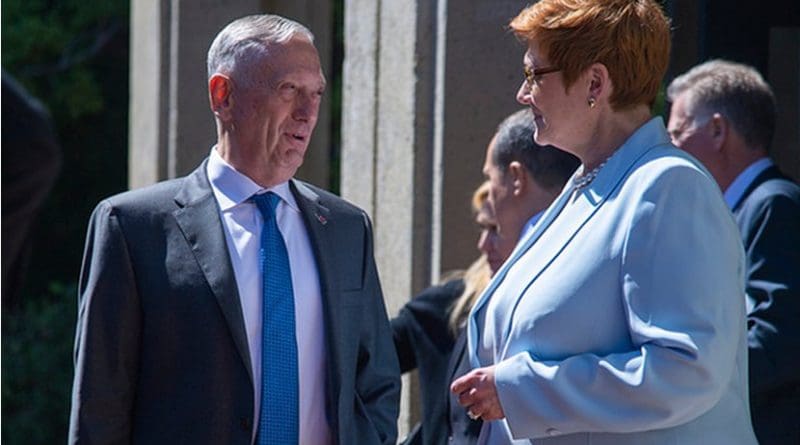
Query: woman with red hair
pixel 620 317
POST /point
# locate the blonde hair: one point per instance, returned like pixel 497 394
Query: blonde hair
pixel 477 275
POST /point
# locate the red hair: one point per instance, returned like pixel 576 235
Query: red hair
pixel 630 37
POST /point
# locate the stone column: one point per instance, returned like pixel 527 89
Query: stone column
pixel 424 86
pixel 171 125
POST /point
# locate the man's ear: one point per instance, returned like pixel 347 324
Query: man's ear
pixel 516 174
pixel 718 127
pixel 220 88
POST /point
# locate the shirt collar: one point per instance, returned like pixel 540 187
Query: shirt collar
pixel 529 225
pixel 232 188
pixel 739 185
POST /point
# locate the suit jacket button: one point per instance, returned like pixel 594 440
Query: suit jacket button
pixel 245 423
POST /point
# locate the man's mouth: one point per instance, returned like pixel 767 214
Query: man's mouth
pixel 300 137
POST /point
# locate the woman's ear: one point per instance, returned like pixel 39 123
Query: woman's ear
pixel 220 87
pixel 599 81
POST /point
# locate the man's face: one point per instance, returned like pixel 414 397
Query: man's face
pixel 489 241
pixel 509 219
pixel 275 115
pixel 690 133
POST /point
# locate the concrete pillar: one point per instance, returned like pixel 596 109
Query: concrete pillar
pixel 172 128
pixel 784 76
pixel 171 125
pixel 686 35
pixel 424 86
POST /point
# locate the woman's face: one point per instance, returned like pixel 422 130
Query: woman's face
pixel 557 112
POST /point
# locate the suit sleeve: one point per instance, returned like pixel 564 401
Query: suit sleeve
pixel 106 337
pixel 681 290
pixel 772 243
pixel 378 372
pixel 422 325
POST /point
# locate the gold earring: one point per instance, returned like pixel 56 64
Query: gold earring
pixel 592 102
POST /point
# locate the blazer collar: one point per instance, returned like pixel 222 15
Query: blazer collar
pixel 309 203
pixel 650 135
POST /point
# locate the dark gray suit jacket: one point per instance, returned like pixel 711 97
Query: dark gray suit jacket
pixel 424 342
pixel 768 216
pixel 161 354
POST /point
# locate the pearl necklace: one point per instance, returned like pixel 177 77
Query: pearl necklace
pixel 581 180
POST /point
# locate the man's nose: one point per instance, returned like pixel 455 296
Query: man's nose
pixel 306 108
pixel 483 242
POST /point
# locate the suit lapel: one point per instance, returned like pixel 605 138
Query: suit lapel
pixel 199 220
pixel 316 218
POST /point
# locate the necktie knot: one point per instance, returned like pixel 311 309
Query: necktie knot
pixel 267 203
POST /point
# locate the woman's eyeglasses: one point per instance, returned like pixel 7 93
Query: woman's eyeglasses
pixel 531 74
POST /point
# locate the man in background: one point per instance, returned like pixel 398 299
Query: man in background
pixel 723 113
pixel 524 177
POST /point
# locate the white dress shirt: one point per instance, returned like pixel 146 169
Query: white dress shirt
pixel 243 224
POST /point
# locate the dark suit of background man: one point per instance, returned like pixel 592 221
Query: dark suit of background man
pixel 723 113
pixel 168 342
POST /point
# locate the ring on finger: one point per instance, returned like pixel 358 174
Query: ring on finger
pixel 473 416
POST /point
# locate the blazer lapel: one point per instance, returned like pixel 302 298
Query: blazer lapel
pixel 199 220
pixel 316 218
pixel 587 202
pixel 473 329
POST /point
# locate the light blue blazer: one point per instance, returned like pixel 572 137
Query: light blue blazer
pixel 620 318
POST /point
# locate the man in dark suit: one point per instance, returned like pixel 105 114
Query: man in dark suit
pixel 723 113
pixel 188 285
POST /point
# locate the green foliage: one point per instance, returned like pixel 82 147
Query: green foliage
pixel 37 368
pixel 46 44
pixel 660 105
pixel 73 56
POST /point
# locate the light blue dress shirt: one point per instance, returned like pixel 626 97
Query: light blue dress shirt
pixel 737 188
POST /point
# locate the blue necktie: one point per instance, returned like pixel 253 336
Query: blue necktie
pixel 278 421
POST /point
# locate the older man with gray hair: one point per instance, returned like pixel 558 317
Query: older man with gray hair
pixel 723 113
pixel 237 305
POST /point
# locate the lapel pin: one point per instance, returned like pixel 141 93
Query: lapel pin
pixel 322 220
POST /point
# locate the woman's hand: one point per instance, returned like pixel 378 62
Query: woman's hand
pixel 477 393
